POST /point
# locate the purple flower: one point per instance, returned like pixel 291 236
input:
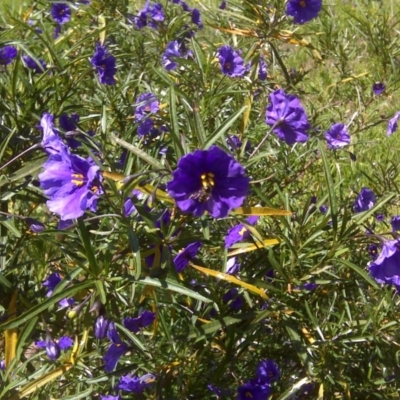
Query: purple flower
pixel 208 180
pixel 65 342
pixel 231 62
pixel 234 299
pixel 132 383
pixel 146 104
pixel 174 50
pixel 323 209
pixel 186 255
pixel 51 141
pixel 60 12
pixel 115 351
pixel 37 67
pixel 373 251
pixel 3 365
pixel 378 88
pixel 51 283
pixel 34 225
pixel 52 350
pixel 303 10
pixel 196 18
pixel 101 327
pixel 380 217
pixel 146 318
pixel 365 200
pixel 105 65
pixel 337 136
pixel 222 6
pixel 72 183
pixel 7 54
pixel 232 267
pixel 395 222
pixel 69 124
pixel 287 117
pixel 267 371
pixel 149 15
pixel 262 69
pixel 253 391
pixel 392 125
pixel 309 286
pixel 109 397
pixel 386 268
pixel 239 232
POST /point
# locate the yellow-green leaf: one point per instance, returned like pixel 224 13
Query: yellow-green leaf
pixel 11 335
pixel 231 279
pixel 102 26
pixel 260 211
pixel 252 247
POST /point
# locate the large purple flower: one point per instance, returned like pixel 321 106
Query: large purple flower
pixel 239 232
pixel 267 371
pixel 105 65
pixel 231 62
pixel 186 255
pixel 60 12
pixel 287 117
pixel 135 384
pixel 72 183
pixel 365 200
pixel 146 318
pixel 116 350
pixel 303 10
pixel 392 125
pixel 208 180
pixel 386 268
pixel 337 136
pixel 174 50
pixel 7 54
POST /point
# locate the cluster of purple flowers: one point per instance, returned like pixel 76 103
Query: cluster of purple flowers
pixel 150 15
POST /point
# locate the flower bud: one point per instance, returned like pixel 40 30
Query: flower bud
pixel 52 350
pixel 100 327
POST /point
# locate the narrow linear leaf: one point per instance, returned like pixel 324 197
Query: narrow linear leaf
pixel 260 211
pixel 231 279
pixel 11 335
pixel 252 247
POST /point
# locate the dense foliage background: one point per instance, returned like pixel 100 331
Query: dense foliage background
pixel 303 295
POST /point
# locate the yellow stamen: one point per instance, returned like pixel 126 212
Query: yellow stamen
pixel 242 231
pixel 78 179
pixel 303 3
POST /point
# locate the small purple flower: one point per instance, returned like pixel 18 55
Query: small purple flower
pixel 395 222
pixel 365 200
pixel 386 268
pixel 69 124
pixel 101 327
pixel 146 318
pixel 146 104
pixel 373 250
pixel 253 391
pixel 303 10
pixel 378 88
pixel 222 6
pixel 34 225
pixel 287 117
pixel 52 350
pixel 232 267
pixel 323 209
pixel 239 232
pixel 380 217
pixel 60 12
pixel 51 283
pixel 7 54
pixel 231 62
pixel 234 299
pixel 309 286
pixel 182 260
pixel 2 365
pixel 174 50
pixel 109 397
pixel 115 351
pixel 65 342
pixel 262 69
pixel 149 15
pixel 105 65
pixel 37 67
pixel 337 136
pixel 196 18
pixel 392 125
pixel 72 183
pixel 135 384
pixel 208 180
pixel 267 372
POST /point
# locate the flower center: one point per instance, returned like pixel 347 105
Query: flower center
pixel 228 66
pixel 207 183
pixel 303 3
pixel 78 179
pixel 248 395
pixel 242 231
pixel 207 179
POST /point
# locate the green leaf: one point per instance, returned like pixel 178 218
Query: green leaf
pixel 360 271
